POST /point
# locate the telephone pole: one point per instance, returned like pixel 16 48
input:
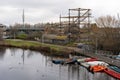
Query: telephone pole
pixel 23 19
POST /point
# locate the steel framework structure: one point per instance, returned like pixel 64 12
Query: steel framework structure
pixel 78 16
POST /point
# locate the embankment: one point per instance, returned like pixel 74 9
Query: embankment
pixel 54 50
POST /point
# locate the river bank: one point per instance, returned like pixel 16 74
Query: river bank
pixel 54 50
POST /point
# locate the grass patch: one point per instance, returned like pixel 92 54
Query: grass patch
pixel 21 43
pixel 37 46
pixel 22 36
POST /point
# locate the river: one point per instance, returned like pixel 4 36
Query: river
pixel 19 64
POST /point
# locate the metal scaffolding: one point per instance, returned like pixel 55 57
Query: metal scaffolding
pixel 78 16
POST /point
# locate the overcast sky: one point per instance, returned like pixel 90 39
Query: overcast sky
pixel 38 11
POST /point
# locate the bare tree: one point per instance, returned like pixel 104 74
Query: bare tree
pixel 1 33
pixel 13 31
pixel 108 34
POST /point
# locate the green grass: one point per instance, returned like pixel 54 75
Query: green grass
pixel 71 44
pixel 38 46
pixel 20 43
pixel 22 36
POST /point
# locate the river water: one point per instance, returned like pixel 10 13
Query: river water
pixel 19 64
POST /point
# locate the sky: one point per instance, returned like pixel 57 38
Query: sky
pixel 42 11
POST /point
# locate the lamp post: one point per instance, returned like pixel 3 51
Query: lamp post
pixel 69 26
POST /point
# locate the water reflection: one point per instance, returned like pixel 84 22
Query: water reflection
pixel 23 56
pixel 2 52
pixel 18 64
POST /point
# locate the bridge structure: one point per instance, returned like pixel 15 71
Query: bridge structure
pixel 24 29
pixel 11 32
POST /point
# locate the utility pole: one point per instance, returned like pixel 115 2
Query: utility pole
pixel 69 26
pixel 79 21
pixel 60 25
pixel 23 19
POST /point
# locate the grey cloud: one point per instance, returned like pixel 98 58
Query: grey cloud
pixel 49 10
pixel 46 9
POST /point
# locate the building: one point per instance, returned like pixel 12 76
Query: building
pixel 2 31
pixel 54 39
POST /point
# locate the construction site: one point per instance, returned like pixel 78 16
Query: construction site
pixel 73 27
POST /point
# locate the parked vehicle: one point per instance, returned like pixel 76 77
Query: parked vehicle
pixel 118 57
pixel 85 47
